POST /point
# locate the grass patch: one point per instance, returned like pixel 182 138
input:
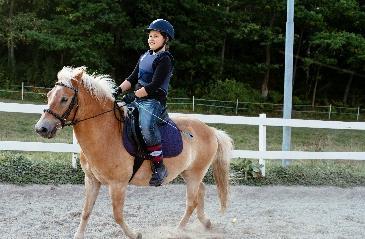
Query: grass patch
pixel 56 169
pixel 310 173
pixel 20 127
pixel 302 139
pixel 19 169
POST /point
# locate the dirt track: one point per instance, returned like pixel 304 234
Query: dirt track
pixel 255 212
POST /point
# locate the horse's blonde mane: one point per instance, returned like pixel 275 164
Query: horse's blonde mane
pixel 101 87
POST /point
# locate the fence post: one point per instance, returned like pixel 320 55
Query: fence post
pixel 358 113
pixel 262 142
pixel 193 103
pixel 329 112
pixel 237 106
pixel 74 155
pixel 22 91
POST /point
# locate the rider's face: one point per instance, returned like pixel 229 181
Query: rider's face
pixel 155 40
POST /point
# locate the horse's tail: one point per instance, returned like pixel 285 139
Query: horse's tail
pixel 221 165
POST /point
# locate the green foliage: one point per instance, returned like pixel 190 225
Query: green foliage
pixel 245 169
pixel 15 168
pixel 232 90
pixel 4 77
pixel 342 176
pixel 18 169
pixel 246 172
pixel 242 41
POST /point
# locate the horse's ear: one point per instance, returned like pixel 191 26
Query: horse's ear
pixel 78 72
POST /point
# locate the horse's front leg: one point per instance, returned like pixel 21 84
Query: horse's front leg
pixel 92 187
pixel 117 194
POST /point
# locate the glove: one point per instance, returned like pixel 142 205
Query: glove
pixel 129 98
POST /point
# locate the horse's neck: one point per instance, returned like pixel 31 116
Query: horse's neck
pixel 98 130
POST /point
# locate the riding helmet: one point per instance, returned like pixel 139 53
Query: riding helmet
pixel 162 26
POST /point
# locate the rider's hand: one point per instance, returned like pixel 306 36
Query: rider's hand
pixel 126 85
pixel 140 93
pixel 129 98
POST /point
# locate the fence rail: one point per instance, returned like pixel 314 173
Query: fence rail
pixel 262 154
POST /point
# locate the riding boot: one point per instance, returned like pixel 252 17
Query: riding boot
pixel 159 171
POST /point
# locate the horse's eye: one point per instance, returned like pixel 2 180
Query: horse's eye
pixel 64 99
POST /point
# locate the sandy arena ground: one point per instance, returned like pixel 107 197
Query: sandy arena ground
pixel 39 211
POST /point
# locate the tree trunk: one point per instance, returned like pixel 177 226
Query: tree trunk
pixel 61 59
pixel 264 85
pixel 11 45
pixel 223 51
pixel 315 87
pixel 297 55
pixel 314 92
pixel 347 89
pixel 308 81
pixel 221 68
pixel 191 84
pixel 265 82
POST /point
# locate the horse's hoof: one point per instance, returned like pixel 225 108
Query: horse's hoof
pixel 208 224
pixel 181 228
pixel 139 236
pixel 78 236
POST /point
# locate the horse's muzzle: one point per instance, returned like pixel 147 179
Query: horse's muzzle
pixel 45 129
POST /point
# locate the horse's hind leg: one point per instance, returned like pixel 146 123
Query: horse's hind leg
pixel 117 194
pixel 195 193
pixel 92 187
pixel 200 207
pixel 192 188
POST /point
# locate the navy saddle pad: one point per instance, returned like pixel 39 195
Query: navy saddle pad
pixel 171 140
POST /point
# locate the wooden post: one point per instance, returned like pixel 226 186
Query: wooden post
pixel 74 155
pixel 22 91
pixel 193 103
pixel 262 142
pixel 237 106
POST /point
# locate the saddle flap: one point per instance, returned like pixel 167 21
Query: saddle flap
pixel 171 139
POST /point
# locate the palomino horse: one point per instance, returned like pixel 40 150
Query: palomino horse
pixel 87 102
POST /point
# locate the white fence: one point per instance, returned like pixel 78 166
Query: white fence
pixel 261 121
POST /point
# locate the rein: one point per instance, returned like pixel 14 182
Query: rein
pixel 74 102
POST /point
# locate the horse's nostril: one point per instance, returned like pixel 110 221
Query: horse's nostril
pixel 41 130
pixel 44 130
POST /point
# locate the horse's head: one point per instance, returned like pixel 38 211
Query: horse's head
pixel 68 93
pixel 62 103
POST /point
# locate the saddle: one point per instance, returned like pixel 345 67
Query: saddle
pixel 171 139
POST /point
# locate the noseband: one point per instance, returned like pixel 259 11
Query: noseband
pixel 63 118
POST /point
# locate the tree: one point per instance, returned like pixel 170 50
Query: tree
pixel 14 26
pixel 347 48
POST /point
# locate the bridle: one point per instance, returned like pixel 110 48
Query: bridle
pixel 74 103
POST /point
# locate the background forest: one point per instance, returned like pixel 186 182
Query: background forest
pixel 224 49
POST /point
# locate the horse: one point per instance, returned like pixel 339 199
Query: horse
pixel 86 102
